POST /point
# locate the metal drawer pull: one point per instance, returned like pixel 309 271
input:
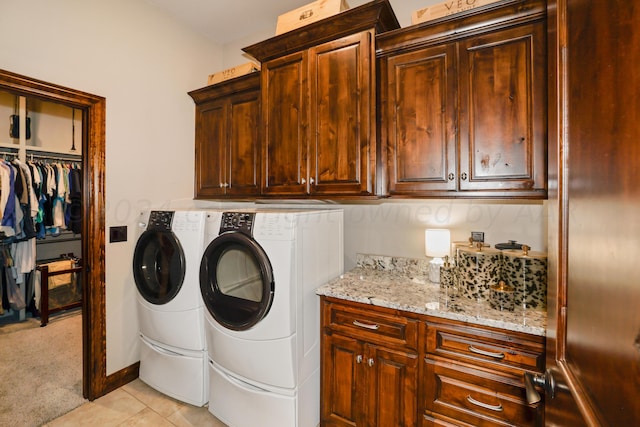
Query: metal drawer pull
pixel 371 362
pixel 497 408
pixel 472 349
pixel 365 325
pixel 359 358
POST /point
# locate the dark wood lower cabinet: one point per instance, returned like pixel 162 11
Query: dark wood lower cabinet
pixel 370 368
pixel 387 368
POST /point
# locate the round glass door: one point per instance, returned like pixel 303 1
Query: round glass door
pixel 158 266
pixel 236 281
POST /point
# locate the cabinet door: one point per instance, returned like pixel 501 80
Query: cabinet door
pixel 342 144
pixel 420 118
pixel 502 110
pixel 243 149
pixel 285 121
pixel 210 134
pixel 391 382
pixel 341 363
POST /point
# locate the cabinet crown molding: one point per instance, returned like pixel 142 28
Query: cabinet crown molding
pixel 377 14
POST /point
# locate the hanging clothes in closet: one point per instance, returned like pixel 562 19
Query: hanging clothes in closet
pixel 36 199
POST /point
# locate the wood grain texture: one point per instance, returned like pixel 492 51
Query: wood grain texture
pixel 285 118
pixel 342 141
pixel 595 331
pixel 369 376
pixel 387 367
pixel 227 139
pixel 463 105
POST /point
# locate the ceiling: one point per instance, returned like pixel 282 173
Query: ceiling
pixel 223 21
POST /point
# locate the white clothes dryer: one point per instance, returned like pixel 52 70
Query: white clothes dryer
pixel 258 278
pixel 173 355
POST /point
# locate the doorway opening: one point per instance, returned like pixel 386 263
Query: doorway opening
pixel 91 108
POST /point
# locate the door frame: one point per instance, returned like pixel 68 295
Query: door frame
pixel 95 382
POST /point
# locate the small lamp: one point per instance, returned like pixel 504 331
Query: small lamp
pixel 436 243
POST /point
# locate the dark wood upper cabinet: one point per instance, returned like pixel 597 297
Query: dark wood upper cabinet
pixel 342 145
pixel 284 119
pixel 463 104
pixel 503 110
pixel 318 105
pixel 421 99
pixel 227 138
pixel 353 106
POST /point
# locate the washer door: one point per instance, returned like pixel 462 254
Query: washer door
pixel 236 281
pixel 158 266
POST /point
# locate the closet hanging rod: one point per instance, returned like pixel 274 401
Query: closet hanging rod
pixel 9 150
pixel 52 155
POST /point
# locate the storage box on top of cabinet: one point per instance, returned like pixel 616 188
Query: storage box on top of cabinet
pixel 449 7
pixel 233 72
pixel 309 13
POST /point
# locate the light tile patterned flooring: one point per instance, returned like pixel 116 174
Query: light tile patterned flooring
pixel 137 404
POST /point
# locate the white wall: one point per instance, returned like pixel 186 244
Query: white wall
pixel 144 64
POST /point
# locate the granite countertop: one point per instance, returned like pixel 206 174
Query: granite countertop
pixel 402 284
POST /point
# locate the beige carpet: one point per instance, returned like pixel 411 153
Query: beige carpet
pixel 40 370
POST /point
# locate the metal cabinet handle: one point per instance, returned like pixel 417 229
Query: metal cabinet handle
pixel 472 349
pixel 365 325
pixel 464 176
pixel 311 181
pixel 304 181
pixel 496 408
pixel 451 176
pixel 371 362
pixel 359 358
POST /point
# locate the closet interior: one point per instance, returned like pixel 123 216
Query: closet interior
pixel 40 208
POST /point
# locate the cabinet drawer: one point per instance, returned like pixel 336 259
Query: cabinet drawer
pixel 476 397
pixel 371 325
pixel 508 352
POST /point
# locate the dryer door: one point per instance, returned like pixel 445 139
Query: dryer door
pixel 236 281
pixel 158 266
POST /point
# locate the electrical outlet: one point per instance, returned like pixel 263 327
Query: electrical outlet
pixel 118 234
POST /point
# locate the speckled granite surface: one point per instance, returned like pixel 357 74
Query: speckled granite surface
pixel 402 283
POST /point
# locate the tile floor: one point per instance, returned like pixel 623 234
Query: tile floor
pixel 137 404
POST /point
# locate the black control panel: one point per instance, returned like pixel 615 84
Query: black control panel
pixel 160 220
pixel 237 221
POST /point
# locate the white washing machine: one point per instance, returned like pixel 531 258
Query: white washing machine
pixel 166 260
pixel 258 278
